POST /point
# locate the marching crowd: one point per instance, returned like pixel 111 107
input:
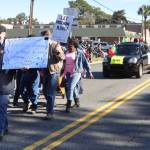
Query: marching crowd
pixel 67 63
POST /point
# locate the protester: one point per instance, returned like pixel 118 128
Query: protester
pixel 51 74
pixel 112 50
pixel 7 85
pixel 29 87
pixel 17 90
pixel 90 50
pixel 136 40
pixel 46 34
pixel 75 63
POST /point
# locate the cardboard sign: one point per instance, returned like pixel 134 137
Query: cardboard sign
pixel 25 52
pixel 117 60
pixel 62 28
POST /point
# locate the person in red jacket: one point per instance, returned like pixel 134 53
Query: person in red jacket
pixel 112 50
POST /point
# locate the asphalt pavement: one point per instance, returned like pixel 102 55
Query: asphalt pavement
pixel 114 115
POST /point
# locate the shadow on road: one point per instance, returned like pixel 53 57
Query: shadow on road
pixel 127 128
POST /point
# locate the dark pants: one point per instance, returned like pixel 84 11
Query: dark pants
pixel 29 87
pixel 3 112
pixel 17 90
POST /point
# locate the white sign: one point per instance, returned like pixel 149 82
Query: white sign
pixel 29 52
pixel 62 28
pixel 71 12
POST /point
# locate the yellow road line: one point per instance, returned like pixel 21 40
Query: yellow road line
pixel 92 121
pixel 82 119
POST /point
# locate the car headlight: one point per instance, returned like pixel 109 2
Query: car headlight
pixel 105 60
pixel 133 60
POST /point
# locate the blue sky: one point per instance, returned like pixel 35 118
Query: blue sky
pixel 47 10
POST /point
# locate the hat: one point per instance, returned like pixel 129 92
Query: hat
pixel 2 29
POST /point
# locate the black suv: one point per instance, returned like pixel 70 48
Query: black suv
pixel 130 59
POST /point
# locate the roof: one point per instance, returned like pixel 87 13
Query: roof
pixel 98 32
pixel 15 33
pixel 136 27
pixel 77 32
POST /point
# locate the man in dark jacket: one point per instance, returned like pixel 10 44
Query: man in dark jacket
pixel 6 87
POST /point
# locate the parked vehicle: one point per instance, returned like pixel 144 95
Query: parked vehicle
pixel 104 46
pixel 95 44
pixel 130 59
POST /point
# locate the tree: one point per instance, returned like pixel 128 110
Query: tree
pixel 145 12
pixel 10 20
pixel 89 14
pixel 34 21
pixel 21 18
pixel 82 5
pixel 118 17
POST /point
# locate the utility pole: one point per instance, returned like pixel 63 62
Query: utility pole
pixel 142 29
pixel 31 17
pixel 145 17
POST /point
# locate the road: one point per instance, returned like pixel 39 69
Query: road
pixel 114 115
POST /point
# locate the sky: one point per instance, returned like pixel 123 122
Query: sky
pixel 46 11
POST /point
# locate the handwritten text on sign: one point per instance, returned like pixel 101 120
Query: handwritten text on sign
pixel 29 52
pixel 62 28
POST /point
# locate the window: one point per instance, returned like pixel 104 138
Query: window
pixel 128 49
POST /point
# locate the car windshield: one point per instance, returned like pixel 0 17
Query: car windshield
pixel 103 44
pixel 127 49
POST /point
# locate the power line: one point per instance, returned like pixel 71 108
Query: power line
pixel 113 10
pixel 104 6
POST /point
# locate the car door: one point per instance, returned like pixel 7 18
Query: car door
pixel 144 56
pixel 148 55
pixel 147 52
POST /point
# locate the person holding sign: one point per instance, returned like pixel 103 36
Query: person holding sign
pixel 52 73
pixel 29 87
pixel 7 85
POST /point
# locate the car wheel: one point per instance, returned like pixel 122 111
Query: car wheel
pixel 140 71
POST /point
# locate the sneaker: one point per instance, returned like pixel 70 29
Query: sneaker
pixel 77 103
pixel 15 102
pixel 49 117
pixel 25 107
pixel 33 111
pixel 68 106
pixel 33 108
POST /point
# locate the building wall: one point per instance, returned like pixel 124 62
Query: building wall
pixel 111 39
pixel 22 31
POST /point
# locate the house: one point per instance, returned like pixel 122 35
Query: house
pixel 108 33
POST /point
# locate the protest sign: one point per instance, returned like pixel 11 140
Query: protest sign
pixel 62 28
pixel 72 12
pixel 29 52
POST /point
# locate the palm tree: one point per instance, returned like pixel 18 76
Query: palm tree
pixel 145 12
pixel 119 17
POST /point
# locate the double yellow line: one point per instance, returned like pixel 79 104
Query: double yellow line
pixel 92 116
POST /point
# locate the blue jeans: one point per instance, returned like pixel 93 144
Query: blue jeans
pixel 29 88
pixel 50 82
pixel 72 86
pixel 3 112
